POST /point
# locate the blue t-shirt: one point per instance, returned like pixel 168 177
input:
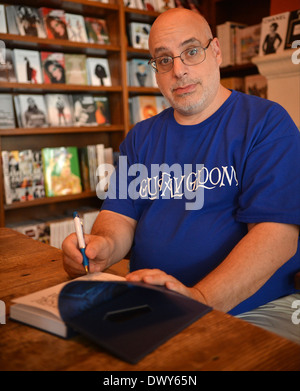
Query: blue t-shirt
pixel 194 188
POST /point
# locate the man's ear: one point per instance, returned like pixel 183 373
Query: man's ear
pixel 216 49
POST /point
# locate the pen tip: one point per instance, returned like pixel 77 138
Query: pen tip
pixel 86 269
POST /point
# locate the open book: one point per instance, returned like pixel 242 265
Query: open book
pixel 129 319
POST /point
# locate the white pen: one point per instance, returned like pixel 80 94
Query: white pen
pixel 80 238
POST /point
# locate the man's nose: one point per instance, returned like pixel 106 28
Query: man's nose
pixel 179 68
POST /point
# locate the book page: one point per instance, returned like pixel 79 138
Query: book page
pixel 47 299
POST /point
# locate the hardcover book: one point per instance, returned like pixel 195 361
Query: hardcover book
pixel 53 67
pixel 97 31
pixel 7 117
pixel 55 23
pixel 125 312
pixel 139 35
pixel 31 111
pixel 102 110
pixel 273 33
pixel 59 110
pixel 27 65
pixel 84 110
pixel 61 171
pixel 75 66
pixel 76 28
pixel 98 71
pixel 29 21
pixel 7 71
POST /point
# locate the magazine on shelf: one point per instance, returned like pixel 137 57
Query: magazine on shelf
pixel 293 32
pixel 27 66
pixel 247 43
pixel 84 110
pixel 53 67
pixel 97 31
pixel 102 110
pixel 141 73
pixel 54 22
pixel 59 110
pixel 76 27
pixel 273 33
pixel 98 71
pixel 139 34
pixel 7 117
pixel 29 21
pixel 61 171
pixel 3 26
pixel 31 111
pixel 7 70
pixel 75 67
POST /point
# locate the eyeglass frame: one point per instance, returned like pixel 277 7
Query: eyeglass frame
pixel 152 60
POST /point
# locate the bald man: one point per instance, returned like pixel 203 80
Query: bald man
pixel 215 213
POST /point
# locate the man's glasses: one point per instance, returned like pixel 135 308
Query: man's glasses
pixel 192 56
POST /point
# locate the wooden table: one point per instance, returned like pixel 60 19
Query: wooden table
pixel 217 341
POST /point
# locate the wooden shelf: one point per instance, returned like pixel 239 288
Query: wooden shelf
pixel 65 130
pixel 50 200
pixel 20 87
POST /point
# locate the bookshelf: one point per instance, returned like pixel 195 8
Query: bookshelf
pixel 118 52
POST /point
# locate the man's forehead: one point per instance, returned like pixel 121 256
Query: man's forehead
pixel 161 48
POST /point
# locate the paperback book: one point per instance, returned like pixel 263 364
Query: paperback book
pixel 55 23
pixel 7 117
pixel 98 71
pixel 273 33
pixel 27 65
pixel 31 111
pixel 84 110
pixel 75 67
pixel 61 171
pixel 97 31
pixel 7 70
pixel 76 28
pixel 59 110
pixel 53 67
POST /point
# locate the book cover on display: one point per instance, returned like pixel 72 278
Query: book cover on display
pixel 293 32
pixel 84 110
pixel 61 171
pixel 139 34
pixel 97 31
pixel 140 73
pixel 98 71
pixel 76 28
pixel 59 110
pixel 273 33
pixel 247 43
pixel 27 66
pixel 3 26
pixel 75 67
pixel 7 117
pixel 17 175
pixel 53 67
pixel 102 110
pixel 7 70
pixel 54 22
pixel 31 111
pixel 29 21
